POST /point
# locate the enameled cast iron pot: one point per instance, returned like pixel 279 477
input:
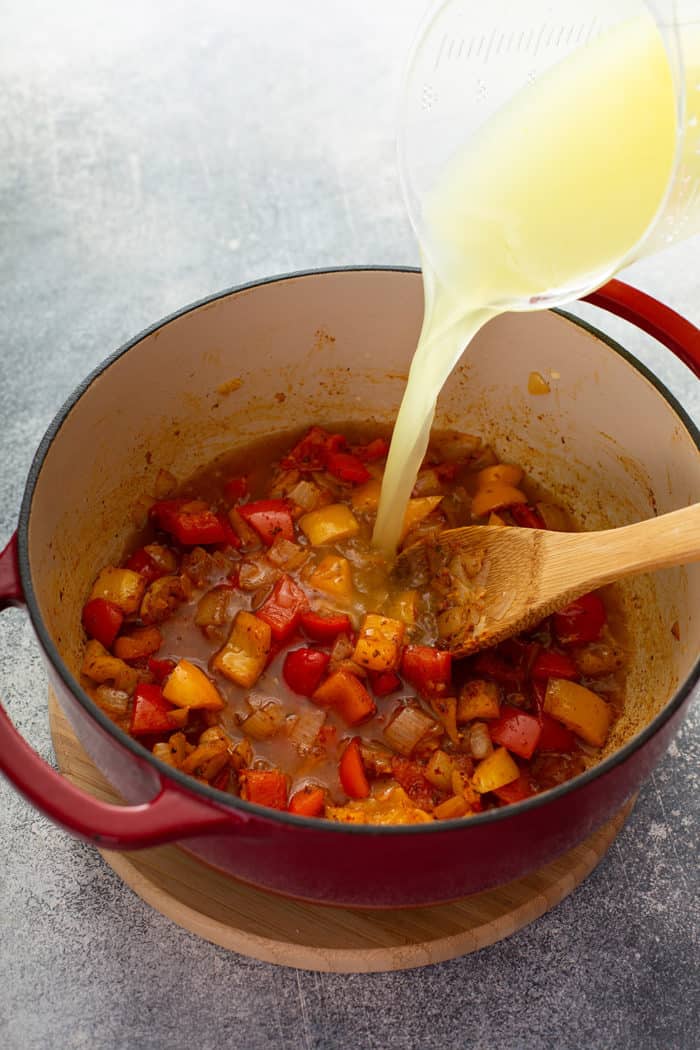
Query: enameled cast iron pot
pixel 328 347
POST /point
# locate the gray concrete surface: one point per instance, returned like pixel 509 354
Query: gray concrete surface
pixel 150 153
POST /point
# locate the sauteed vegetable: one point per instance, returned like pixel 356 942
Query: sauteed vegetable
pixel 255 640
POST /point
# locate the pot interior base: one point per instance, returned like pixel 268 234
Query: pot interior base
pixel 309 936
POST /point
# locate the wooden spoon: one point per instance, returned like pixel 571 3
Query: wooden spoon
pixel 488 583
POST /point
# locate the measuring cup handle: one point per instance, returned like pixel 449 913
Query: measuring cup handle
pixel 657 320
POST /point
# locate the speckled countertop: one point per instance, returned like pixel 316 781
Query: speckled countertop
pixel 152 152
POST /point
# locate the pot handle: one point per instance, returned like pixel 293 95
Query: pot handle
pixel 653 317
pixel 173 814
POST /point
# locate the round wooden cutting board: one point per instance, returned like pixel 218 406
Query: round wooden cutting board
pixel 317 937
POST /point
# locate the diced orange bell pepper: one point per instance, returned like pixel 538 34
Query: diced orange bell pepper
pixel 379 643
pixel 499 474
pixel 188 686
pixel 418 509
pixel 266 787
pixel 309 801
pixel 352 771
pixel 138 643
pixel 347 695
pixel 493 497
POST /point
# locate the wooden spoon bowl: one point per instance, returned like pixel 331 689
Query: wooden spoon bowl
pixel 489 583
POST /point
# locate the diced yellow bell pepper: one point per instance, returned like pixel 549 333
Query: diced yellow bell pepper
pixel 417 510
pixel 500 474
pixel 453 807
pixel 580 709
pixel 366 497
pixel 492 497
pixel 332 575
pixel 124 587
pixel 439 770
pixel 478 699
pixel 379 643
pixel 243 657
pixel 188 686
pixel 329 524
pixel 404 606
pixel 495 771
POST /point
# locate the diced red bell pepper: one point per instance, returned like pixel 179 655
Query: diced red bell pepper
pixel 278 646
pixel 142 562
pixel 190 521
pixel 516 730
pixel 312 451
pixel 490 664
pixel 150 713
pixel 231 537
pixel 309 801
pixel 539 691
pixel 516 791
pixel 235 489
pixel 352 771
pixel 283 609
pixel 160 669
pixel 526 516
pixel 325 629
pixel 550 664
pixel 412 779
pixel 267 787
pixel 555 736
pixel 428 670
pixel 376 449
pixel 102 620
pixel 271 519
pixel 384 682
pixel 303 670
pixel 580 622
pixel 346 467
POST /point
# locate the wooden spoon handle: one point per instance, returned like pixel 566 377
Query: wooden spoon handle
pixel 597 558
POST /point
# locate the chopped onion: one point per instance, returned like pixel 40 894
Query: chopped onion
pixel 214 607
pixel 306 729
pixel 427 484
pixel 256 573
pixel 287 555
pixel 265 721
pixel 115 701
pixel 306 495
pixel 407 727
pixel 480 740
pixel 283 484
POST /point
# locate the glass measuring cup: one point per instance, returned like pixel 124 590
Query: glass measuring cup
pixel 471 61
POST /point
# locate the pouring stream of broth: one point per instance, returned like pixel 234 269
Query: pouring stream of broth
pixel 547 201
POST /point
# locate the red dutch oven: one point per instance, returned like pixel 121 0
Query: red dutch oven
pixel 334 346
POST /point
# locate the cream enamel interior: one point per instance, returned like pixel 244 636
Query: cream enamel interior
pixel 336 346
